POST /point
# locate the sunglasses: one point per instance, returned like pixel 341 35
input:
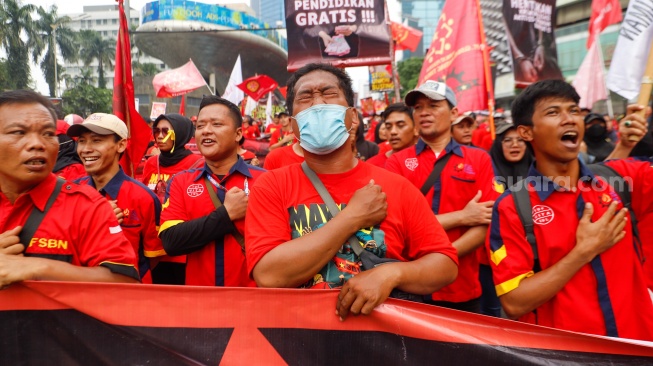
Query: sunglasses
pixel 163 130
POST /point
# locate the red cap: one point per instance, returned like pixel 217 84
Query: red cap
pixel 62 127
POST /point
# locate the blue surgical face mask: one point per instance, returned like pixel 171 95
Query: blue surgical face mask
pixel 322 128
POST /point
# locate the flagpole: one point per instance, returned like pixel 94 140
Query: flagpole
pixel 205 83
pixel 645 89
pixel 393 63
pixel 488 76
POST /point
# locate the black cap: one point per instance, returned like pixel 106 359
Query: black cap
pixel 592 116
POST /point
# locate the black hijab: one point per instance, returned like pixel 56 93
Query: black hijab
pixel 510 172
pixel 67 153
pixel 184 131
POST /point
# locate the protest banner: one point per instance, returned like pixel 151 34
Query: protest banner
pixel 381 78
pixel 158 108
pixel 343 33
pixel 530 29
pixel 367 106
pixel 129 324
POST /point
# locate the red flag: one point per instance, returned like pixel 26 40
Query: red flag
pixel 590 79
pixel 283 91
pixel 406 38
pixel 604 13
pixel 175 82
pixel 123 100
pixel 258 86
pixel 456 55
pixel 182 105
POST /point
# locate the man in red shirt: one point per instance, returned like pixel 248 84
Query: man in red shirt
pixel 292 243
pixel 79 238
pixel 283 156
pixel 464 185
pixel 275 125
pixel 462 128
pixel 192 224
pixel 398 120
pixel 102 138
pixel 283 136
pixel 69 165
pixel 588 277
pixel 250 131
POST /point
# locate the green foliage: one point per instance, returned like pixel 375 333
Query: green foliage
pixel 17 21
pixel 94 47
pixel 84 99
pixel 5 80
pixel 409 71
pixel 145 69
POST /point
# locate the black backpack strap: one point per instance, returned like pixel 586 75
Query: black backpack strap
pixel 435 174
pixel 522 200
pixel 622 188
pixel 36 216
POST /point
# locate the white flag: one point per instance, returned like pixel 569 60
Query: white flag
pixel 250 106
pixel 590 81
pixel 268 110
pixel 232 93
pixel 631 53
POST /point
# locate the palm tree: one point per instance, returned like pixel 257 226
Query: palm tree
pixel 96 48
pixel 18 21
pixel 145 69
pixel 54 32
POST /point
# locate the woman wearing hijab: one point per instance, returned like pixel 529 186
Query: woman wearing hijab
pixel 171 132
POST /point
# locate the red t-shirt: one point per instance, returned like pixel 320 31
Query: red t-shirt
pixel 384 147
pixel 251 132
pixel 369 135
pixel 284 205
pixel 378 160
pixel 281 157
pixel 80 228
pixel 278 135
pixel 141 210
pixel 272 127
pixel 616 273
pixel 467 171
pixel 151 176
pixel 189 199
pixel 72 172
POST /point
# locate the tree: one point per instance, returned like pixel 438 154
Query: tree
pixel 84 99
pixel 18 22
pixel 5 80
pixel 409 71
pixel 94 47
pixel 53 32
pixel 145 69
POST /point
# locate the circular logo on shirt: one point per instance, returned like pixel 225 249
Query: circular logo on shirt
pixel 411 163
pixel 542 214
pixel 195 190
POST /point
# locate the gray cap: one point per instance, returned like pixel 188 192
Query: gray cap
pixel 463 118
pixel 502 127
pixel 435 90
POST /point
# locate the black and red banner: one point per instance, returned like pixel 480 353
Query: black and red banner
pixel 343 33
pixel 125 324
pixel 530 27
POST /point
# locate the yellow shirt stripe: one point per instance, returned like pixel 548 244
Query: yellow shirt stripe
pixel 504 288
pixel 169 224
pixel 154 253
pixel 498 255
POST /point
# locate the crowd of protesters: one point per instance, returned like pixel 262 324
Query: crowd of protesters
pixel 423 206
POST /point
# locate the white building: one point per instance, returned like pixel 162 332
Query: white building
pixel 105 20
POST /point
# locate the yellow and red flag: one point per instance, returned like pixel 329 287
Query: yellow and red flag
pixel 258 86
pixel 405 37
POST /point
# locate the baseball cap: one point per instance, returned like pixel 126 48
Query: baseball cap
pixel 592 116
pixel 433 89
pixel 502 127
pixel 73 119
pixel 462 118
pixel 102 124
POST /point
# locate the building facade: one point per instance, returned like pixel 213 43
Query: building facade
pixel 424 16
pixel 270 11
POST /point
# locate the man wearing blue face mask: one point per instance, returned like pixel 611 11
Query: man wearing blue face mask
pixel 292 239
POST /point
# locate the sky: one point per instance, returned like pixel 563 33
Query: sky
pixel 358 74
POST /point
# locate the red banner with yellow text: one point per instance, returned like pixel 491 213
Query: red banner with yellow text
pixel 456 55
pixel 128 324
